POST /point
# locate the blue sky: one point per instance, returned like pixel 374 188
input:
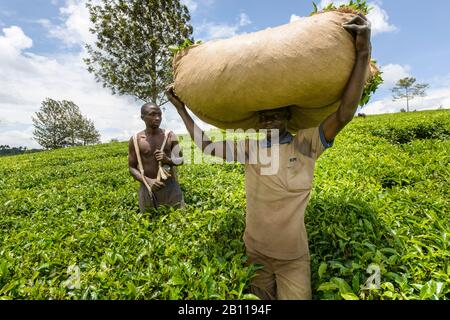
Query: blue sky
pixel 41 51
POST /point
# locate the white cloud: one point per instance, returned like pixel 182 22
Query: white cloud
pixel 45 23
pixel 18 138
pixel 437 96
pixel 75 28
pixel 294 18
pixel 394 72
pixel 211 31
pixel 385 105
pixel 378 17
pixel 13 41
pixel 27 79
pixel 244 20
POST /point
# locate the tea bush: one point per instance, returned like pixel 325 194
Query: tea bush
pixel 70 227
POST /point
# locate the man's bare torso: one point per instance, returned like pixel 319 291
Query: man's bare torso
pixel 147 146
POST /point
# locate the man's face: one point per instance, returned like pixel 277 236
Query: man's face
pixel 152 116
pixel 273 119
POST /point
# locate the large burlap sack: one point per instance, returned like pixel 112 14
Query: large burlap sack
pixel 306 63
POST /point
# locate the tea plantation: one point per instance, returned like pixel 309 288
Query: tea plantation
pixel 378 221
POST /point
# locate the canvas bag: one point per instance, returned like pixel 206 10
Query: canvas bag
pixel 306 63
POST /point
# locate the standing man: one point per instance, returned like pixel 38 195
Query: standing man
pixel 153 155
pixel 275 234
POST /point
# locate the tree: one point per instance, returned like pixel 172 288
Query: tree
pixel 60 124
pixel 131 54
pixel 407 88
pixel 88 134
pixel 6 150
pixel 50 124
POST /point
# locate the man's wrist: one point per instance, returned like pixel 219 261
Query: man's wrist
pixel 363 53
pixel 167 160
pixel 181 108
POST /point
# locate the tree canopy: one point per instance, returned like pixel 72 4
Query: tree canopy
pixel 131 55
pixel 60 124
pixel 407 88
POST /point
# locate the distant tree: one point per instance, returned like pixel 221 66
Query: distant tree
pixel 402 110
pixel 74 123
pixel 87 133
pixel 50 124
pixel 6 150
pixel 60 124
pixel 131 54
pixel 408 89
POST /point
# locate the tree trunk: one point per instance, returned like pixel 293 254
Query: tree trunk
pixel 407 99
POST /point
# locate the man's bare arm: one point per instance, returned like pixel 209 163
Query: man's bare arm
pixel 219 148
pixel 360 28
pixel 133 162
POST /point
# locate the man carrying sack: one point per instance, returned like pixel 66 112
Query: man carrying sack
pixel 275 234
pixel 153 155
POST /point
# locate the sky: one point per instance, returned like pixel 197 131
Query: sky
pixel 42 49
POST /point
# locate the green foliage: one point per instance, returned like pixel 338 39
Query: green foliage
pixel 70 226
pixel 408 132
pixel 370 87
pixel 78 207
pixel 60 124
pixel 351 6
pixel 383 204
pixel 131 54
pixel 186 44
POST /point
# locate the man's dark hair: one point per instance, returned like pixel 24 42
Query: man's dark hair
pixel 148 104
pixel 286 110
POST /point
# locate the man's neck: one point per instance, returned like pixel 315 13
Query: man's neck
pixel 281 133
pixel 152 131
pixel 283 138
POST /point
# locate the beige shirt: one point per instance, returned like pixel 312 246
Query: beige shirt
pixel 276 203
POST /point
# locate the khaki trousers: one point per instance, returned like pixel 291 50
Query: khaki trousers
pixel 281 279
